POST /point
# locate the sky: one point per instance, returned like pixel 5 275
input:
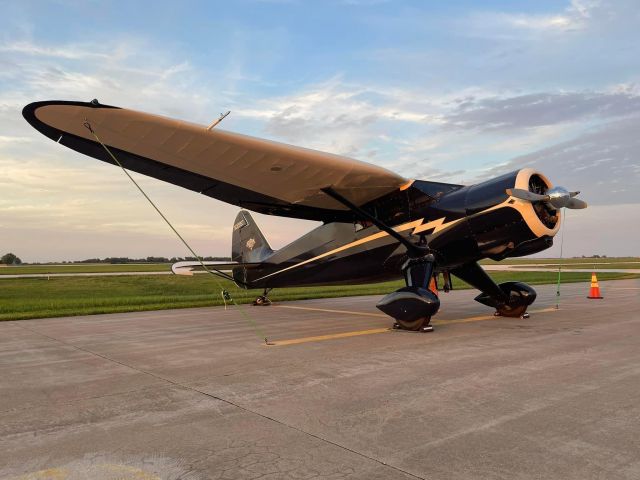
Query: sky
pixel 444 91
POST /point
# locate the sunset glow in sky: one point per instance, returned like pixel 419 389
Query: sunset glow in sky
pixel 444 91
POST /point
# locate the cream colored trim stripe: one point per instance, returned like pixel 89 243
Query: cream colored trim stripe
pixel 523 207
pixel 417 225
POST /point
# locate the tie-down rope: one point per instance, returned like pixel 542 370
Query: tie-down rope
pixel 226 296
pixel 563 227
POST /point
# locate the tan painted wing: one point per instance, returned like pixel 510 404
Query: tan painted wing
pixel 258 174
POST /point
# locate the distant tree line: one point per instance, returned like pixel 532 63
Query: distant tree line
pixel 118 260
pixel 10 259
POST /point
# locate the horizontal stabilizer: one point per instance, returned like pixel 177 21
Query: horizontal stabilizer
pixel 188 268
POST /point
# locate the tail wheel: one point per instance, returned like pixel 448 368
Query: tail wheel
pixel 262 300
pixel 414 325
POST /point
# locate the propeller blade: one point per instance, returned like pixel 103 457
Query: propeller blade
pixel 526 195
pixel 557 197
pixel 576 204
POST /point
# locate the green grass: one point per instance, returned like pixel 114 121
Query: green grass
pixel 85 268
pixel 26 298
pixel 620 262
pixel 591 266
pixel 568 261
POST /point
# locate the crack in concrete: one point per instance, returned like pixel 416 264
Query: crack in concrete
pixel 228 402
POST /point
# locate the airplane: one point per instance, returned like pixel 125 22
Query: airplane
pixel 376 224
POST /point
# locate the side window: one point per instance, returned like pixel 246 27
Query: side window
pixel 361 225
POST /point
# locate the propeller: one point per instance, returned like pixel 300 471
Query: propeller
pixel 558 197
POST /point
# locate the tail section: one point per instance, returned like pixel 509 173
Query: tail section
pixel 248 244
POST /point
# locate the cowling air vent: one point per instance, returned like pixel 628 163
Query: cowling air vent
pixel 547 214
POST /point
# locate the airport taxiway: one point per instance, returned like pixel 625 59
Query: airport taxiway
pixel 195 394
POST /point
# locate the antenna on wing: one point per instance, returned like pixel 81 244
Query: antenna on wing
pixel 222 117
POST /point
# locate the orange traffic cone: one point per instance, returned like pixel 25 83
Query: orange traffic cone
pixel 433 285
pixel 595 289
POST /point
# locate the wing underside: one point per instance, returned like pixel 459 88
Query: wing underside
pixel 253 173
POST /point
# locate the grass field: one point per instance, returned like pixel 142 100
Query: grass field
pixel 85 268
pixel 64 296
pixel 609 262
pixel 620 262
pixel 586 266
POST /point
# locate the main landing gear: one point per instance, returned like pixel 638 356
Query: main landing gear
pixel 510 299
pixel 413 306
pixel 263 300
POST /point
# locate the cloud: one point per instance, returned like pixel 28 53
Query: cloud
pixel 417 133
pixel 7 139
pixel 426 102
pixel 604 163
pixel 70 52
pixel 540 109
pixel 121 71
pixel 435 174
pixel 576 16
pixel 46 188
pixel 338 117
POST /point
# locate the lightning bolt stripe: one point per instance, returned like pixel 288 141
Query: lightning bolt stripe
pixel 416 225
pixel 524 208
pixel 436 225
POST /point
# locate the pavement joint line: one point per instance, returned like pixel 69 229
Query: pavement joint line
pixel 356 333
pixel 228 402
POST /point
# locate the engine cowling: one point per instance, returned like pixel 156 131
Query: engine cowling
pixel 498 225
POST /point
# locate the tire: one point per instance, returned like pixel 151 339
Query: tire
pixel 513 312
pixel 414 325
pixel 259 301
